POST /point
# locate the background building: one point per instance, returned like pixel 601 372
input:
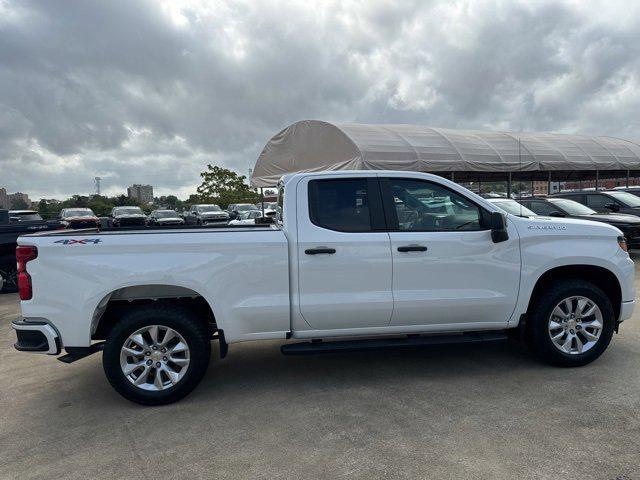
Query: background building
pixel 143 193
pixel 8 200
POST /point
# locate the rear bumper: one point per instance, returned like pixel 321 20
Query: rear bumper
pixel 626 310
pixel 36 336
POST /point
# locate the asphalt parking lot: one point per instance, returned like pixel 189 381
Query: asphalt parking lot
pixel 487 412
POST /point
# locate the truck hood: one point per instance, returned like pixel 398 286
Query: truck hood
pixel 535 226
pixel 169 219
pixel 613 218
pixel 81 219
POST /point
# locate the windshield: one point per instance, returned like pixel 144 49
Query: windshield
pixel 571 207
pixel 209 208
pixel 628 199
pixel 129 211
pixel 24 217
pixel 243 207
pixel 514 208
pixel 166 214
pixel 78 213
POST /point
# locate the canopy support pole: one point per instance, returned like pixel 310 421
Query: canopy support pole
pixel 262 200
pixel 479 187
pixel 509 186
pixel 597 179
pixel 453 177
pixel 549 184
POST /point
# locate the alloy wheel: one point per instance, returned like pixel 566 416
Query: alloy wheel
pixel 575 325
pixel 154 358
pixel 10 278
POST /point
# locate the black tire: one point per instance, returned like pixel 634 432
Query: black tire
pixel 183 321
pixel 9 272
pixel 538 323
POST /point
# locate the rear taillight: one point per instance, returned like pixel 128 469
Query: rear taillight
pixel 24 254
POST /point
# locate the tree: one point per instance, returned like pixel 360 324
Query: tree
pixel 170 201
pixel 19 204
pixel 223 186
pixel 43 209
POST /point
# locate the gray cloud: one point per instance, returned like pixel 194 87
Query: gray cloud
pixel 146 91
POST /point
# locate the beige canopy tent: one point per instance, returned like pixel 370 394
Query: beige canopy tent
pixel 313 145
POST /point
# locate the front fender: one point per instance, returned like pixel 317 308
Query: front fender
pixel 542 253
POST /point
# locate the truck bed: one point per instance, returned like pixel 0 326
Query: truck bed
pixel 243 273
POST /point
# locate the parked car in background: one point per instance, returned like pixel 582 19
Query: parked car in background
pixel 12 225
pixel 236 208
pixel 566 208
pixel 511 206
pixel 246 218
pixel 24 216
pixel 164 217
pixel 78 218
pixel 127 217
pixel 633 190
pixel 206 214
pixel 604 201
pixel 268 206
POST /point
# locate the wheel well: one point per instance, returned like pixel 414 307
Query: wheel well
pixel 599 276
pixel 110 308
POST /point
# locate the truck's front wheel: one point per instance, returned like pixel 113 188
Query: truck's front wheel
pixel 571 324
pixel 156 354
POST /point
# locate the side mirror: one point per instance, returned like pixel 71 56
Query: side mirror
pixel 556 213
pixel 614 207
pixel 498 227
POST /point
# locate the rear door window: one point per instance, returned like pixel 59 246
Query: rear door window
pixel 598 201
pixel 340 204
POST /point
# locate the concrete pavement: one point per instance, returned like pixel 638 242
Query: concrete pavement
pixel 465 412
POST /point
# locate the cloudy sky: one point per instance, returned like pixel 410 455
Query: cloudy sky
pixel 151 91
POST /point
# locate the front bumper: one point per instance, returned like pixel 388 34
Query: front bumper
pixel 37 336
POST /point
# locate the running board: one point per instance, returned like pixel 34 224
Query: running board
pixel 76 353
pixel 412 341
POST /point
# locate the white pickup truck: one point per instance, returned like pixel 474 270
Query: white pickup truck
pixel 365 259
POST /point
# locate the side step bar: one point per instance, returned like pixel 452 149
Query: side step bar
pixel 77 353
pixel 412 341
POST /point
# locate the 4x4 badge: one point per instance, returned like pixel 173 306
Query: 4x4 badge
pixel 84 241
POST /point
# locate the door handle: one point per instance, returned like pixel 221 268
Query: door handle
pixel 412 248
pixel 319 250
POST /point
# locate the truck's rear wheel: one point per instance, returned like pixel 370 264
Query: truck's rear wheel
pixel 571 323
pixel 156 354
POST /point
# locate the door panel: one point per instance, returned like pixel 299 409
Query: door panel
pixel 462 276
pixel 350 288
